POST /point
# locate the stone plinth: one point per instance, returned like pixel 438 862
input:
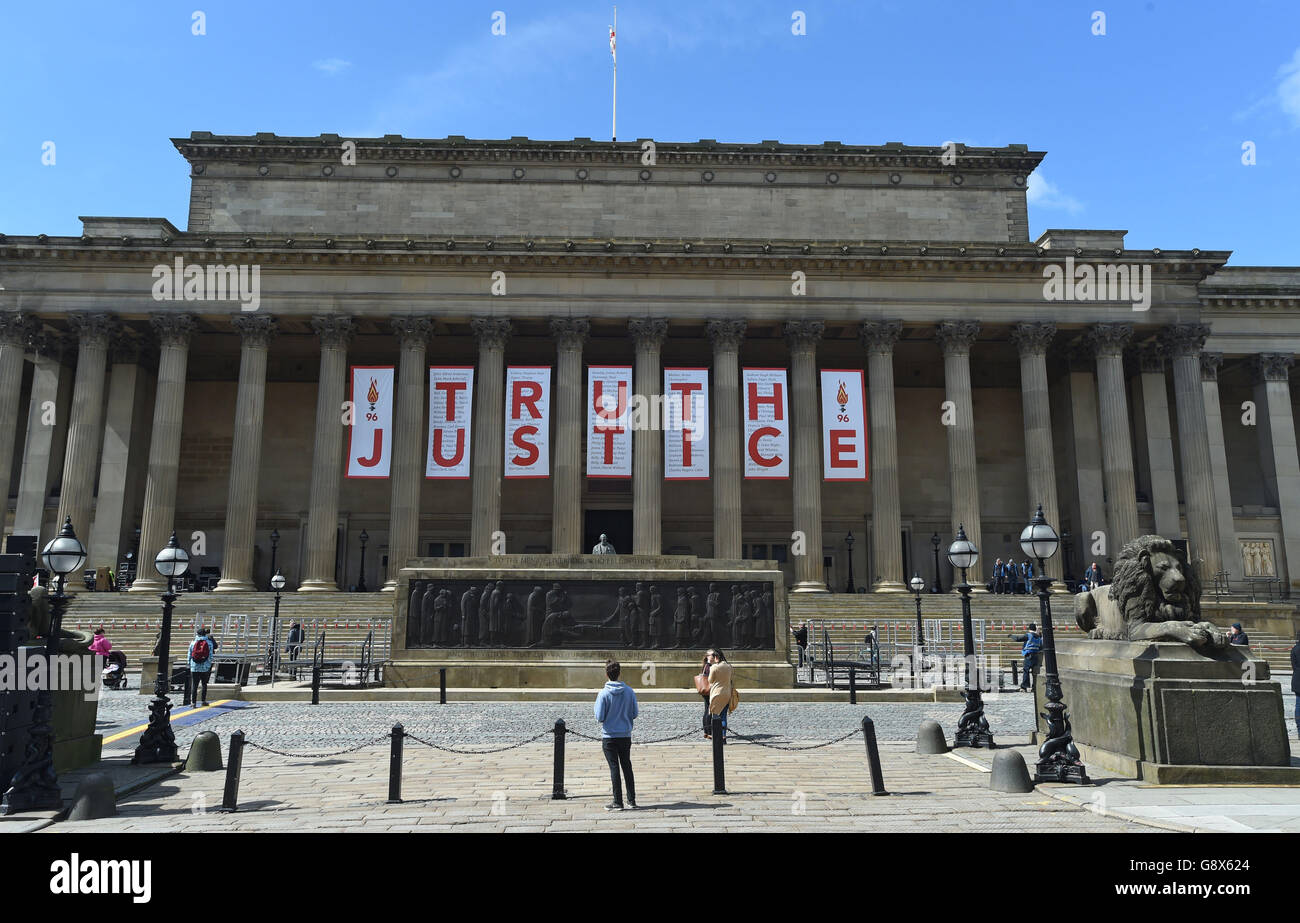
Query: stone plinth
pixel 1164 713
pixel 522 660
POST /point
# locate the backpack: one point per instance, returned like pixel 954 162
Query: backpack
pixel 199 652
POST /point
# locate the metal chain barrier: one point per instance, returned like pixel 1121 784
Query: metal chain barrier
pixel 514 746
pixel 732 732
pixel 315 756
pixel 636 740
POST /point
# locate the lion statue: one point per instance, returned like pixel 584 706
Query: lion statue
pixel 1155 596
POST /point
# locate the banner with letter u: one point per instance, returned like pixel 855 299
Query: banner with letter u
pixel 686 424
pixel 528 421
pixel 844 425
pixel 765 398
pixel 370 437
pixel 609 437
pixel 451 397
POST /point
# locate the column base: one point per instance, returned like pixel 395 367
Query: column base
pixel 389 587
pixel 147 585
pixel 889 586
pixel 809 586
pixel 318 586
pixel 233 585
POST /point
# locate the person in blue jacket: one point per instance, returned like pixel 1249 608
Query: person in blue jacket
pixel 1027 576
pixel 1031 651
pixel 202 649
pixel 616 709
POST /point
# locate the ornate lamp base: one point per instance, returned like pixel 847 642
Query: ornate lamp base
pixel 973 728
pixel 35 786
pixel 1060 768
pixel 158 742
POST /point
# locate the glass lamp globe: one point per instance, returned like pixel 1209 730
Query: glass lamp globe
pixel 917 584
pixel 962 552
pixel 277 582
pixel 172 561
pixel 1039 540
pixel 65 554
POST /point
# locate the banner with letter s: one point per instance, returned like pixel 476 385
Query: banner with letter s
pixel 528 421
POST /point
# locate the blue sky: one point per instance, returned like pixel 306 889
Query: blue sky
pixel 1144 126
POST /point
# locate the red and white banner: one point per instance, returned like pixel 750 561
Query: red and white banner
pixel 528 421
pixel 451 402
pixel 686 424
pixel 765 398
pixel 370 437
pixel 844 425
pixel 609 438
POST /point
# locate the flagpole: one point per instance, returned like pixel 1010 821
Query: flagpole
pixel 613 40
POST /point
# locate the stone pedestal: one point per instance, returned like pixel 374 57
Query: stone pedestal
pixel 75 742
pixel 1163 713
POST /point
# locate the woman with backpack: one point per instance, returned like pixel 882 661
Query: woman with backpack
pixel 721 695
pixel 201 650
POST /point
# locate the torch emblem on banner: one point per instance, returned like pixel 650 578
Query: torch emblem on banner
pixel 373 394
pixel 842 397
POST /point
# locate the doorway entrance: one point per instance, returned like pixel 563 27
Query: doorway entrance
pixel 616 524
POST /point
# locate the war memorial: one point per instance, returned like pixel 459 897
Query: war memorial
pixel 531 405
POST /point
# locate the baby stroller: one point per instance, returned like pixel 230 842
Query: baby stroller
pixel 114 675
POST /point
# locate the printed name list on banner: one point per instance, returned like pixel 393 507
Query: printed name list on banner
pixel 609 438
pixel 767 423
pixel 686 424
pixel 451 397
pixel 528 421
pixel 844 425
pixel 370 437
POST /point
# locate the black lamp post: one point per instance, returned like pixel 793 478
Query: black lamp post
pixel 973 728
pixel 35 785
pixel 361 578
pixel 848 540
pixel 277 584
pixel 1058 757
pixel 917 584
pixel 936 587
pixel 158 743
pixel 275 544
pixel 1067 568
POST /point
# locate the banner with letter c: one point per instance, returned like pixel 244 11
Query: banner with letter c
pixel 844 425
pixel 370 437
pixel 451 399
pixel 765 398
pixel 528 421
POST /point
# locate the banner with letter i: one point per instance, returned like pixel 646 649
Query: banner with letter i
pixel 451 397
pixel 528 421
pixel 370 437
pixel 844 425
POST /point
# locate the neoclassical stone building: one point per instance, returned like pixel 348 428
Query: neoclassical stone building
pixel 1126 391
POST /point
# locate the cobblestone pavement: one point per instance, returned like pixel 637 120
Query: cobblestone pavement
pixel 768 790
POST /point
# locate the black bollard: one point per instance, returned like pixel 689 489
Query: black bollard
pixel 1014 674
pixel 315 685
pixel 853 686
pixel 442 685
pixel 557 790
pixel 395 765
pixel 719 769
pixel 230 798
pixel 873 757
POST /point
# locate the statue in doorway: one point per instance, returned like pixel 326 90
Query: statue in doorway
pixel 603 546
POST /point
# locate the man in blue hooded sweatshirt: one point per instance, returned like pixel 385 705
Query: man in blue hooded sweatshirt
pixel 616 710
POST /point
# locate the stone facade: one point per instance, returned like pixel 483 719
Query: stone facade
pixel 887 258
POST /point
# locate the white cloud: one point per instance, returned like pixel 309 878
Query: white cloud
pixel 1042 194
pixel 332 65
pixel 1288 88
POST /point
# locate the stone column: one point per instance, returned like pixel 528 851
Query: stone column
pixel 879 338
pixel 1184 343
pixel 488 460
pixel 955 339
pixel 727 336
pixel 327 454
pixel 1032 341
pixel 1276 425
pixel 1229 550
pixel 647 443
pixel 125 377
pixel 409 435
pixel 801 337
pixel 1159 439
pixel 158 518
pixel 15 330
pixel 1108 342
pixel 1088 500
pixel 45 430
pixel 85 422
pixel 566 504
pixel 256 331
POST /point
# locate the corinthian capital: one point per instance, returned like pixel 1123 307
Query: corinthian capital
pixel 174 329
pixel 727 334
pixel 93 329
pixel 16 329
pixel 956 337
pixel 1210 363
pixel 1184 339
pixel 413 330
pixel 1274 366
pixel 491 332
pixel 879 337
pixel 570 332
pixel 256 329
pixel 648 332
pixel 334 330
pixel 804 334
pixel 1109 339
pixel 1033 339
